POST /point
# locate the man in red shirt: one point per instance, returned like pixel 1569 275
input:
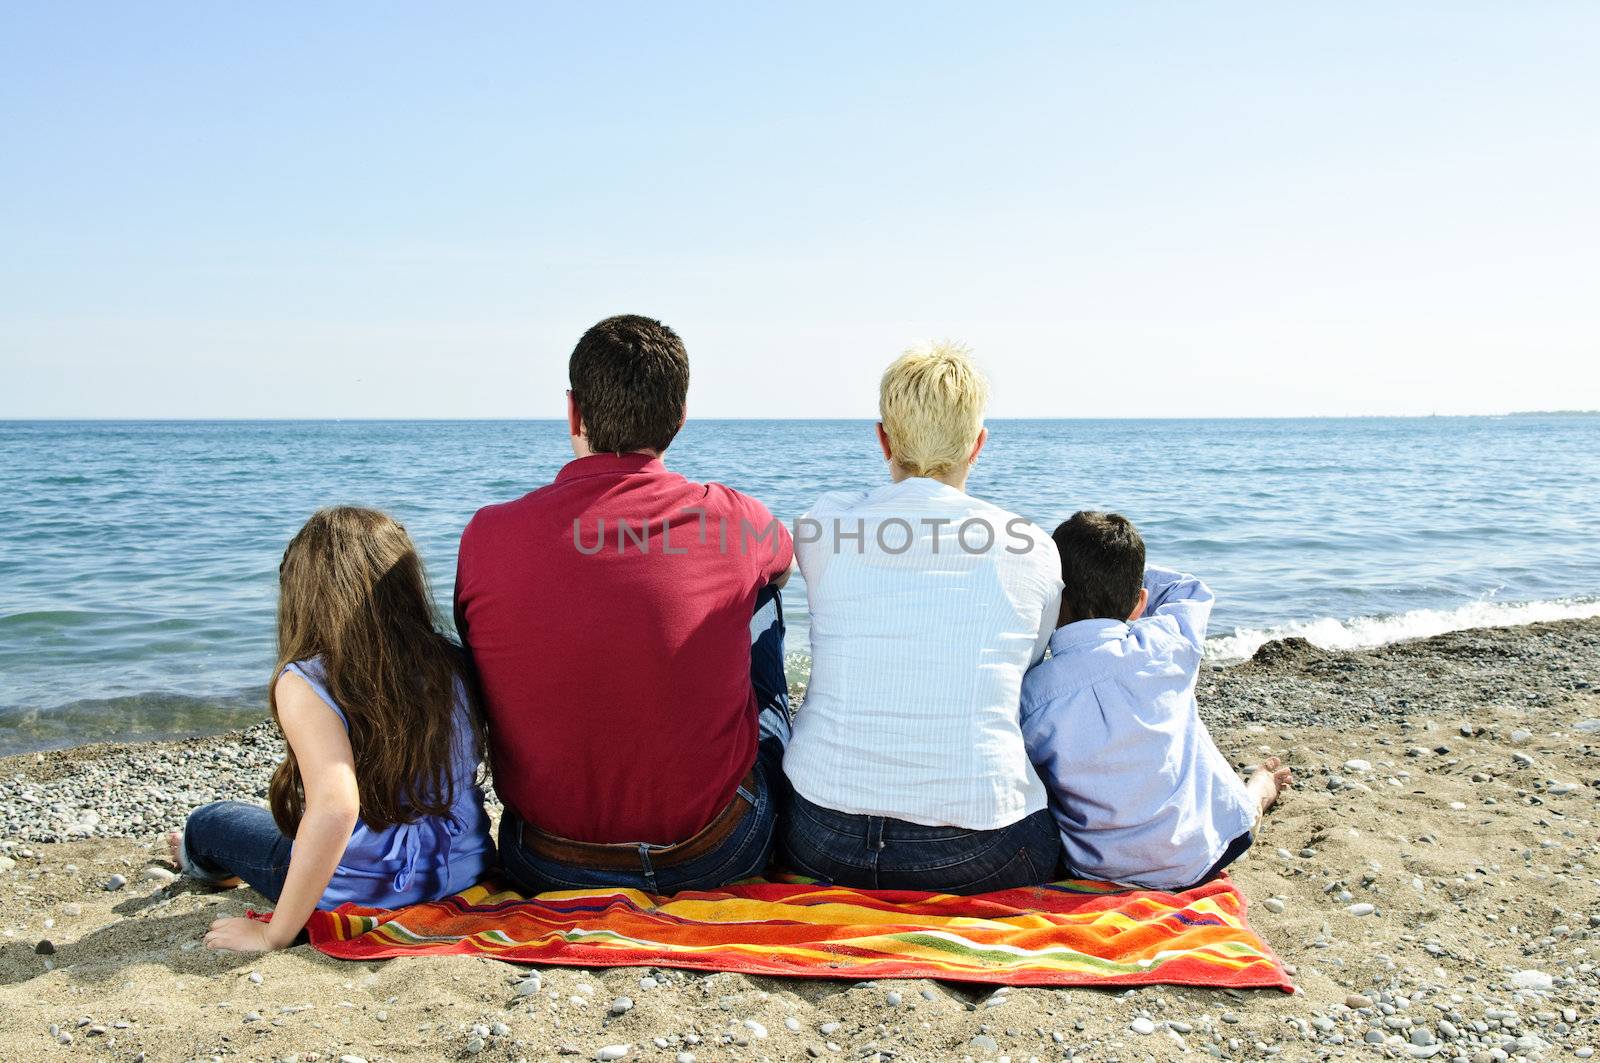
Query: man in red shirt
pixel 609 620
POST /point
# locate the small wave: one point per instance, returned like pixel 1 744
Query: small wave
pixel 139 717
pixel 1364 632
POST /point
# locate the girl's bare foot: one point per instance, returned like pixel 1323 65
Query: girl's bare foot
pixel 1267 780
pixel 175 847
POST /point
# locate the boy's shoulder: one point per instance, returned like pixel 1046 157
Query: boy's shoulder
pixel 1093 652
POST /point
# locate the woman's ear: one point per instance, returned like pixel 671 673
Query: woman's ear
pixel 883 441
pixel 977 448
pixel 1138 608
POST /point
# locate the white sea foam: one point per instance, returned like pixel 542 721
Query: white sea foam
pixel 1366 631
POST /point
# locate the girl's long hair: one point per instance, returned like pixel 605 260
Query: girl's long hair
pixel 353 592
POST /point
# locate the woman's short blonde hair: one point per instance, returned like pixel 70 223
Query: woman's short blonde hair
pixel 931 401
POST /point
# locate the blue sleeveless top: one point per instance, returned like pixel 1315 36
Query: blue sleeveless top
pixel 413 862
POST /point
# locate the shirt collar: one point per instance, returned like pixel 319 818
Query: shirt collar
pixel 1086 632
pixel 916 486
pixel 609 465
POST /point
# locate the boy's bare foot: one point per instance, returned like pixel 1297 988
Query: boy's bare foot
pixel 1267 780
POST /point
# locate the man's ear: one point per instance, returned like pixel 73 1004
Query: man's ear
pixel 580 440
pixel 1138 609
pixel 883 441
pixel 574 417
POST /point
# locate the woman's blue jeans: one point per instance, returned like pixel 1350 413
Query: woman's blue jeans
pixel 877 852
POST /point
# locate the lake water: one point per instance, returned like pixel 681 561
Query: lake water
pixel 138 560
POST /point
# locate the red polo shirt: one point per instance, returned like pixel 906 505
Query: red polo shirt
pixel 608 615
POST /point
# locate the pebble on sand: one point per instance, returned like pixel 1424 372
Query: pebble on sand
pixel 610 1052
pixel 1361 908
pixel 1532 980
pixel 115 882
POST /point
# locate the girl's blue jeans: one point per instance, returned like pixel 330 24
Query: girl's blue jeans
pixel 228 839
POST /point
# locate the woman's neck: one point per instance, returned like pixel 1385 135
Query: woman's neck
pixel 956 478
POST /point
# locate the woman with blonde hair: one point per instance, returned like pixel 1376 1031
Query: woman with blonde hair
pixel 927 606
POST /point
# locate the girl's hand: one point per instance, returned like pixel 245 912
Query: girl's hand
pixel 242 935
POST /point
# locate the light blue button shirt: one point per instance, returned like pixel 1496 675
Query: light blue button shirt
pixel 1140 792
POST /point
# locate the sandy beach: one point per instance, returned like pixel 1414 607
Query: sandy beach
pixel 1432 881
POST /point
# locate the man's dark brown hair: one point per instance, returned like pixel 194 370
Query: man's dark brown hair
pixel 630 380
pixel 1102 565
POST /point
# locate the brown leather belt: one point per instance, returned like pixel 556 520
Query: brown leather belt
pixel 625 856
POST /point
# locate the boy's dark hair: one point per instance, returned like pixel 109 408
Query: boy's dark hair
pixel 630 380
pixel 1102 565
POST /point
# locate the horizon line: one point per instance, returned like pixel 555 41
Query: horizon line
pixel 867 419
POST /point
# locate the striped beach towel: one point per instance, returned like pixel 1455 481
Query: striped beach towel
pixel 1063 934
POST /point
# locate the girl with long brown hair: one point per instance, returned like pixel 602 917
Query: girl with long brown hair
pixel 377 801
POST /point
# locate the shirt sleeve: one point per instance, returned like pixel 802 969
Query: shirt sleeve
pixel 1051 575
pixel 458 606
pixel 1047 624
pixel 1183 599
pixel 770 545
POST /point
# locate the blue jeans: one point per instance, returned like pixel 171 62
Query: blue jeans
pixel 746 852
pixel 230 838
pixel 877 852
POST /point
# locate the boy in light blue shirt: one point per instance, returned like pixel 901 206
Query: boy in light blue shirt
pixel 1139 791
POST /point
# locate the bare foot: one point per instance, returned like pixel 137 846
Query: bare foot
pixel 1267 780
pixel 175 847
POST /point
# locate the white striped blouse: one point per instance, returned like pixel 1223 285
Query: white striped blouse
pixel 927 606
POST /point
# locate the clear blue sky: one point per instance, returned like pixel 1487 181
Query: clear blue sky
pixel 413 210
